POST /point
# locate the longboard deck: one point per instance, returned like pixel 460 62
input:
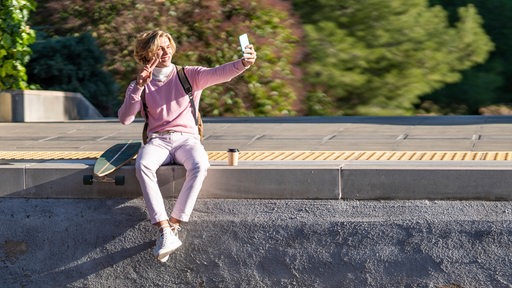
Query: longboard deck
pixel 115 157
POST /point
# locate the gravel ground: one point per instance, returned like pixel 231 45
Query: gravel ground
pixel 258 243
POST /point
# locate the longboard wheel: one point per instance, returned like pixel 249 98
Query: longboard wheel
pixel 87 179
pixel 119 180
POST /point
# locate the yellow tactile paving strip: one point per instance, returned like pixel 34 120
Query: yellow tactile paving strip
pixel 48 155
pixel 365 155
pixel 290 155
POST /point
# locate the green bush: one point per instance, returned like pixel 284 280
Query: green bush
pixel 15 38
pixel 206 33
pixel 73 64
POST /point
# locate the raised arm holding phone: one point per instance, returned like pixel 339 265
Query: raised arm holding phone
pixel 172 133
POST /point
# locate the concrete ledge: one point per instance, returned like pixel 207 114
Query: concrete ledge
pixel 12 177
pixel 417 180
pixel 357 180
pixel 44 105
pixel 262 181
pixel 269 180
pixel 61 180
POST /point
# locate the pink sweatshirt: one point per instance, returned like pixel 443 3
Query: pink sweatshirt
pixel 168 105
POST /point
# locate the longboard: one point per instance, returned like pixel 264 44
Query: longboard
pixel 111 160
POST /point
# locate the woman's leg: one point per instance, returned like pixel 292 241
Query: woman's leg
pixel 192 155
pixel 151 156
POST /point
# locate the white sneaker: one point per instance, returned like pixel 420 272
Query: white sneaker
pixel 166 243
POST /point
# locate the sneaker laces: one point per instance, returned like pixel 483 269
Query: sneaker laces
pixel 175 228
pixel 163 235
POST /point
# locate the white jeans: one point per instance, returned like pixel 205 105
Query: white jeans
pixel 179 148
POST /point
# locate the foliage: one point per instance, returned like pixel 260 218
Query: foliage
pixel 484 84
pixel 377 57
pixel 15 38
pixel 77 67
pixel 373 57
pixel 206 33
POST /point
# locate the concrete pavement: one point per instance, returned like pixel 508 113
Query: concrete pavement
pixel 485 174
pixel 419 133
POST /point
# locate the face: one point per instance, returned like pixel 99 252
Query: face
pixel 165 52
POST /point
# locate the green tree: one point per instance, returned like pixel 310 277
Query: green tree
pixel 73 64
pixel 485 84
pixel 15 38
pixel 377 57
pixel 206 33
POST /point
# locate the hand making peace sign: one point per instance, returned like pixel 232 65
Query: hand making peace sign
pixel 146 74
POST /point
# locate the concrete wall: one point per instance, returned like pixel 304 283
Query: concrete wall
pixel 358 180
pixel 40 105
pixel 257 243
pixel 52 179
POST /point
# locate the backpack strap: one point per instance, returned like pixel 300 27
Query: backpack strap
pixel 185 83
pixel 143 98
pixel 145 130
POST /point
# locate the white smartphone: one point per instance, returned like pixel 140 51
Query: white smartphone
pixel 244 41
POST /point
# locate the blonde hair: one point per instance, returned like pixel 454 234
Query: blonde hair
pixel 147 45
